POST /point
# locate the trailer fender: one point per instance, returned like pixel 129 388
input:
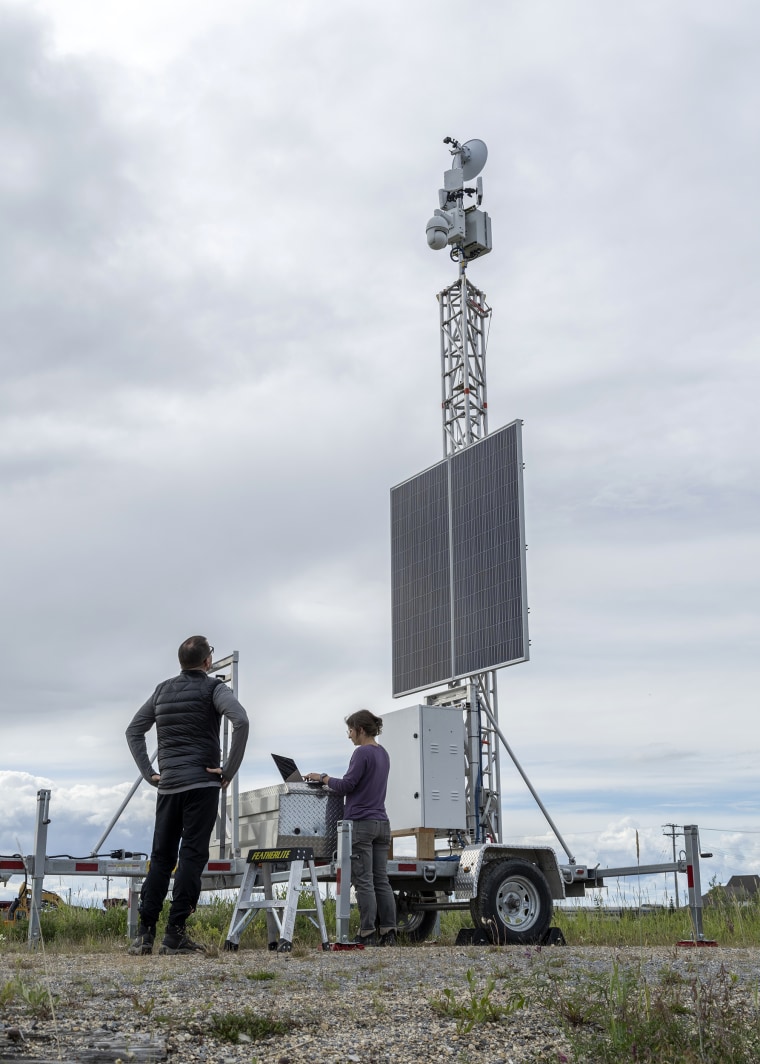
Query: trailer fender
pixel 474 858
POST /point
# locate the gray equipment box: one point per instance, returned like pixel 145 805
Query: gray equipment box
pixel 426 785
pixel 290 814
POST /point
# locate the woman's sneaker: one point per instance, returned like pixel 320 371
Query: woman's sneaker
pixel 366 940
pixel 143 943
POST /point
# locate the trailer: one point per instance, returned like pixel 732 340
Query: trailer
pixel 508 890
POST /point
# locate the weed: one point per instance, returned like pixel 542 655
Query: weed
pixel 676 1020
pixel 479 1008
pixel 229 1026
pixel 7 992
pixel 329 982
pixel 144 1006
pixel 671 977
pixel 260 976
pixel 85 985
pixel 38 999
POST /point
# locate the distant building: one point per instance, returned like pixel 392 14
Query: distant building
pixel 739 889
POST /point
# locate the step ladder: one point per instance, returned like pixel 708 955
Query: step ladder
pixel 280 912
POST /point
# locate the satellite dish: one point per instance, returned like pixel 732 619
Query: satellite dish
pixel 473 155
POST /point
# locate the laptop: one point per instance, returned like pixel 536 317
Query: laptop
pixel 288 769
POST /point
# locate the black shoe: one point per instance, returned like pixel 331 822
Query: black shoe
pixel 143 943
pixel 388 939
pixel 179 942
pixel 366 940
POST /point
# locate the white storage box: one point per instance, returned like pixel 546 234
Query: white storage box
pixel 426 786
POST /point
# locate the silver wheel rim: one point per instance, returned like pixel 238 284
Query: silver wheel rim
pixel 518 903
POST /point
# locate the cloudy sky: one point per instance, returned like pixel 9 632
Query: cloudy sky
pixel 219 342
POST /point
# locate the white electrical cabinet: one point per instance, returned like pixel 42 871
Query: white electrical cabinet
pixel 426 786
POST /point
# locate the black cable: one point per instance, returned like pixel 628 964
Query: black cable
pixel 118 855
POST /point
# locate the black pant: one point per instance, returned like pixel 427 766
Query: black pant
pixel 187 817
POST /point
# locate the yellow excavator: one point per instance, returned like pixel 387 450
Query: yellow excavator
pixel 18 908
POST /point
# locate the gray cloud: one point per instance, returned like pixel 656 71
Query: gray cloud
pixel 219 351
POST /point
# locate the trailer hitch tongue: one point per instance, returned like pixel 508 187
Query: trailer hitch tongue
pixel 429 874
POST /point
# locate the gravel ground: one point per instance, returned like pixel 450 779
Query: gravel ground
pixel 372 1006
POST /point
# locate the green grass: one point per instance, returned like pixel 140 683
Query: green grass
pixel 633 1012
pixel 39 1002
pixel 229 1026
pixel 101 930
pixel 624 1015
pixel 728 922
pixel 476 1006
pixel 96 929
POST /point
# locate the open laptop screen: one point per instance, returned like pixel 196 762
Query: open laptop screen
pixel 287 768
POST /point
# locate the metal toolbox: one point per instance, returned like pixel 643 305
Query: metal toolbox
pixel 289 814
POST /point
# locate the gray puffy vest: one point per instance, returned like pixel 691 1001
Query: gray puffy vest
pixel 187 725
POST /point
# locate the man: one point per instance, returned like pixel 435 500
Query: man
pixel 187 712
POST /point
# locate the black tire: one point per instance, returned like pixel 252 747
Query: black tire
pixel 414 926
pixel 514 902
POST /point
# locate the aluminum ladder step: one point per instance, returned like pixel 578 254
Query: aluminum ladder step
pixel 281 912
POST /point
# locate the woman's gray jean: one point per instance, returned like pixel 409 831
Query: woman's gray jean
pixel 371 840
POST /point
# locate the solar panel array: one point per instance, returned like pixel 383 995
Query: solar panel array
pixel 458 566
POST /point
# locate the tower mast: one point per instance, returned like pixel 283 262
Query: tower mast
pixel 465 318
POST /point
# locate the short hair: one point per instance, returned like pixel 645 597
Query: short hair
pixel 368 722
pixel 194 651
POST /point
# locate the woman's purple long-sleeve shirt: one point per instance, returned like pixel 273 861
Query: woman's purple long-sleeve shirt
pixel 364 784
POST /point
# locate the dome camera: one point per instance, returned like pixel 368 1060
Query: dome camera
pixel 437 231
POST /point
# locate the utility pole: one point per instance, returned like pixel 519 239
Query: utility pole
pixel 675 831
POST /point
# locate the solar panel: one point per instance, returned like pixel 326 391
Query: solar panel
pixel 488 553
pixel 458 566
pixel 421 583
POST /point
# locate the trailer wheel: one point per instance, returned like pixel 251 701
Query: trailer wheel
pixel 414 926
pixel 513 903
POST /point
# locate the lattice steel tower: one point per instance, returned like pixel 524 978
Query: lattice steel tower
pixel 464 325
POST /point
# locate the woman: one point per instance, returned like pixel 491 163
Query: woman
pixel 365 785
